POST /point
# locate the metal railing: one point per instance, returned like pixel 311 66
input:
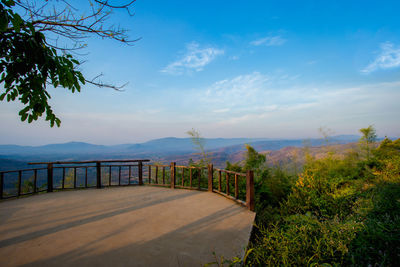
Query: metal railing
pixel 61 175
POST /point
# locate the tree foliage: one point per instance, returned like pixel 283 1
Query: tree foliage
pixel 367 140
pixel 253 160
pixel 339 211
pixel 368 134
pixel 199 144
pixel 29 62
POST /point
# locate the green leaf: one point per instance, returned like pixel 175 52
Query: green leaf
pixel 17 21
pixel 4 19
pixel 24 110
pixel 247 254
pixel 9 3
pixel 81 78
pixel 24 116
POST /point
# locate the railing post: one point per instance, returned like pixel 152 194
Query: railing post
pixel 250 190
pixel 86 177
pixel 156 174
pixel 109 175
pixel 1 185
pixel 219 180
pixel 183 176
pixel 173 169
pixel 49 177
pixel 140 172
pixel 98 171
pixel 236 186
pixel 149 174
pixel 199 178
pixel 129 179
pixel 210 177
pixel 163 175
pixel 190 177
pixel 74 178
pixel 19 182
pixel 35 182
pixel 227 183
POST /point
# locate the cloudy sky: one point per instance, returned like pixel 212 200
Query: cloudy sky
pixel 278 69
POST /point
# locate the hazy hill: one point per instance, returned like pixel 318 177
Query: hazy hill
pixel 164 145
pixel 294 157
pixel 162 150
pixel 173 144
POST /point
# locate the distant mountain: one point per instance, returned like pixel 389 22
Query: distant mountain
pixel 163 145
pixel 164 149
pixel 173 144
pixel 345 137
pixel 261 145
pixel 166 145
pixel 65 148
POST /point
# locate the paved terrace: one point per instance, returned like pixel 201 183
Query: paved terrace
pixel 123 226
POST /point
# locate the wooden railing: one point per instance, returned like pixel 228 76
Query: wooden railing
pixel 234 185
pixel 191 177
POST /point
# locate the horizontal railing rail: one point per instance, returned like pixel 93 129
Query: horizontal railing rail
pixel 61 175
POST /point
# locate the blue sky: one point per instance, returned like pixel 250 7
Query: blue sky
pixel 278 69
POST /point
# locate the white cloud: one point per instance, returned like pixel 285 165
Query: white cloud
pixel 249 91
pixel 389 57
pixel 195 59
pixel 222 110
pixel 271 104
pixel 232 91
pixel 269 41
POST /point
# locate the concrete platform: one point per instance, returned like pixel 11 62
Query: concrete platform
pixel 122 226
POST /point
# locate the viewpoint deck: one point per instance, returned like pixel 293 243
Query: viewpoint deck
pixel 123 226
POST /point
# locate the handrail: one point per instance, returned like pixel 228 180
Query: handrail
pixel 178 176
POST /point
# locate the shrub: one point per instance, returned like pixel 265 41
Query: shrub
pixel 303 240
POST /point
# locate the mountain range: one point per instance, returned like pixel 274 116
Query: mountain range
pixel 161 150
pixel 168 145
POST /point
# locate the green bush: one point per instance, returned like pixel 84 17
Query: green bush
pixel 340 211
pixel 303 240
pixel 379 242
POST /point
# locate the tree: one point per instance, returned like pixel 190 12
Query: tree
pixel 199 143
pixel 326 133
pixel 368 138
pixel 38 49
pixel 253 160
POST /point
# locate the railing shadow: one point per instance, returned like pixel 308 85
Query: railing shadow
pixel 79 222
pixel 66 208
pixel 192 243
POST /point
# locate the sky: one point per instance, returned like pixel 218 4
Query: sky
pixel 270 69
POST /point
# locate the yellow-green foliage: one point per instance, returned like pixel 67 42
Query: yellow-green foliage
pixel 302 240
pixel 339 211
